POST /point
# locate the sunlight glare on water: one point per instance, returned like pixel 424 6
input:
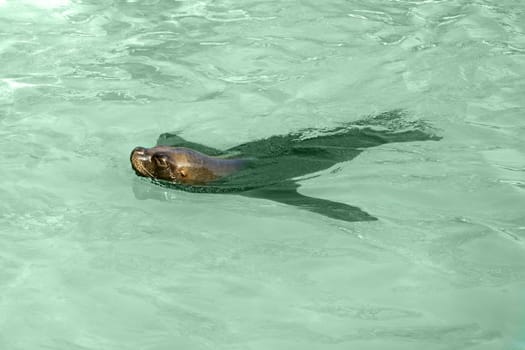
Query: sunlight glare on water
pixel 87 263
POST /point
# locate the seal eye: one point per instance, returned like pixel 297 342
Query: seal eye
pixel 161 160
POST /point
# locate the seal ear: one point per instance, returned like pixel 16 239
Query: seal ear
pixel 161 160
pixel 182 172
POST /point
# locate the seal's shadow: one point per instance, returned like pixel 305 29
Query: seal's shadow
pixel 280 160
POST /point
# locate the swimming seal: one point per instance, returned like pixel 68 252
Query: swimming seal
pixel 271 168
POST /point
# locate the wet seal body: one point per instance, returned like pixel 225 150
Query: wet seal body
pixel 271 168
pixel 182 165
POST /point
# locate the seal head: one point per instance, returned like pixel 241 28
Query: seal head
pixel 182 165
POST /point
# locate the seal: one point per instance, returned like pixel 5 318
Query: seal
pixel 182 165
pixel 271 168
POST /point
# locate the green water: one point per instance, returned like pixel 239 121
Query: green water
pixel 85 264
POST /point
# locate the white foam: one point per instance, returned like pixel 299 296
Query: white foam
pixel 49 3
pixel 37 3
pixel 13 84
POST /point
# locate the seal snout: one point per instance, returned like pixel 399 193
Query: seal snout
pixel 139 160
pixel 139 153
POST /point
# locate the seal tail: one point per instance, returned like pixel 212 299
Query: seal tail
pixel 341 143
pixel 387 127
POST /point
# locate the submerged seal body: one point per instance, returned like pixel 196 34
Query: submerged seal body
pixel 182 165
pixel 271 168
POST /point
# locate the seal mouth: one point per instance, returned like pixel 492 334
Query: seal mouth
pixel 138 159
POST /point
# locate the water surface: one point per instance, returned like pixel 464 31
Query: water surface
pixel 85 264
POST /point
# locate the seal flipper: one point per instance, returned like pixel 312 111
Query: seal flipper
pixel 169 139
pixel 286 193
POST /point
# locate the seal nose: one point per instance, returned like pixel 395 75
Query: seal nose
pixel 139 150
pixel 138 153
